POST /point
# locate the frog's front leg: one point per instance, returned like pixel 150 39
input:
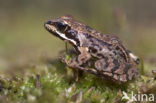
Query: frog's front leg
pixel 79 60
pixel 79 67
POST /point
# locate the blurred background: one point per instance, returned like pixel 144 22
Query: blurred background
pixel 23 39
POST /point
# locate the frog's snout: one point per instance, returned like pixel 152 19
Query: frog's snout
pixel 48 22
pixel 47 25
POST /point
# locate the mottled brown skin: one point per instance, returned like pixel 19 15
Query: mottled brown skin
pixel 112 59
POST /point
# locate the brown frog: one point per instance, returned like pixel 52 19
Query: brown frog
pixel 111 59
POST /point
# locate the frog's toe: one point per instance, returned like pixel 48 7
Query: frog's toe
pixel 63 59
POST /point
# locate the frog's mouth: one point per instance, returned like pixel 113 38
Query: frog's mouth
pixel 52 29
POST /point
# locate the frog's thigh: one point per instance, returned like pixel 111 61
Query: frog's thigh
pixel 103 65
pixel 132 72
pixel 110 65
pixel 120 77
pixel 129 75
pixel 89 70
pixel 80 67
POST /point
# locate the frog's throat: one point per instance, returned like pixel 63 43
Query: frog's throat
pixel 64 37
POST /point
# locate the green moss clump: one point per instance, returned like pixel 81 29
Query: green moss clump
pixel 59 87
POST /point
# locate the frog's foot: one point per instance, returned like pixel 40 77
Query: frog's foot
pixel 77 72
pixel 69 63
pixel 89 70
pixel 63 59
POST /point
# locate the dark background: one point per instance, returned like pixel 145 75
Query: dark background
pixel 24 40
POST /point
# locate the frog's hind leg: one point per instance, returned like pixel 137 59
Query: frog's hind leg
pixel 78 67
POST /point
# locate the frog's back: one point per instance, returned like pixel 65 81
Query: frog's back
pixel 82 28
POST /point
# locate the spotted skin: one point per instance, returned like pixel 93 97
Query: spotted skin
pixel 111 59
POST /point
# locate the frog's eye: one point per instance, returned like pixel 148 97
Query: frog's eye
pixel 62 27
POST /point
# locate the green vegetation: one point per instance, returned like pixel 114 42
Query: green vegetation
pixel 57 85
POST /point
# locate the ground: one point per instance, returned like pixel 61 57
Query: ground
pixel 51 81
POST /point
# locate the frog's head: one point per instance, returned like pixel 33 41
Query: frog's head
pixel 60 27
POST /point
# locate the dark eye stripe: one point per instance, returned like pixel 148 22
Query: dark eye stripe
pixel 61 27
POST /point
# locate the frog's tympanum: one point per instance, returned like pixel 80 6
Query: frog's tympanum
pixel 111 59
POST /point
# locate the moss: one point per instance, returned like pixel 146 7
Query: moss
pixel 59 87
